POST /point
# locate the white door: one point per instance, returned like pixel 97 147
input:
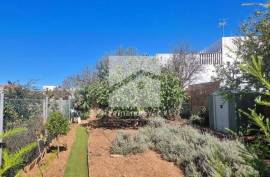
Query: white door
pixel 222 114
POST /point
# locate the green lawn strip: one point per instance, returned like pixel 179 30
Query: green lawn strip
pixel 77 164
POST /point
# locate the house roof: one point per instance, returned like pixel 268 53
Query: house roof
pixel 214 47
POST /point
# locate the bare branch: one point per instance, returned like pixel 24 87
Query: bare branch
pixel 185 64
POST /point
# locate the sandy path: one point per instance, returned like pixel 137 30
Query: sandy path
pixel 101 164
pixel 56 166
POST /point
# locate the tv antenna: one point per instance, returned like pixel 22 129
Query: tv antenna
pixel 222 23
pixel 265 5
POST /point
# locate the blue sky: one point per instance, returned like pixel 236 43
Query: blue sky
pixel 50 40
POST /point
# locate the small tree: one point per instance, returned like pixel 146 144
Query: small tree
pixel 82 79
pixel 171 95
pixel 256 36
pixel 185 64
pixel 230 74
pixel 57 125
pixel 96 95
pixel 256 32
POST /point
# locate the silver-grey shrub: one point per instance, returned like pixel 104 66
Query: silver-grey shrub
pixel 156 122
pixel 198 154
pixel 127 144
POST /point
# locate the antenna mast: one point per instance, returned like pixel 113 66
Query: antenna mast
pixel 222 23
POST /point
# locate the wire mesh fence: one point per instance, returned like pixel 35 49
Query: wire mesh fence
pixel 30 114
pixel 61 105
pixel 19 112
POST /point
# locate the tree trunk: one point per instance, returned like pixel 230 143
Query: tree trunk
pixel 58 147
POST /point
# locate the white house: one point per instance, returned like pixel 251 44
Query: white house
pixel 48 87
pixel 220 52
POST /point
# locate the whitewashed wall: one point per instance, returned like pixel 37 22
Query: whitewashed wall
pixel 227 48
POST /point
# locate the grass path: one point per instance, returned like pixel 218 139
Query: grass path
pixel 77 165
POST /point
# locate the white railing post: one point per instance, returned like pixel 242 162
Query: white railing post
pixel 1 121
pixel 45 112
pixel 45 109
pixel 62 106
pixel 69 108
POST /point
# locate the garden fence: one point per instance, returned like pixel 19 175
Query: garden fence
pixel 31 114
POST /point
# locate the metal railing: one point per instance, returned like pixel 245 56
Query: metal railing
pixel 211 58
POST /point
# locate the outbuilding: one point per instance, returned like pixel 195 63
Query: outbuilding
pixel 224 111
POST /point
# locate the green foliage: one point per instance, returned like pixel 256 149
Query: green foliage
pixel 85 115
pixel 12 161
pixel 201 118
pixel 21 104
pixel 77 164
pixel 93 96
pixel 256 41
pixel 196 119
pixel 97 94
pixel 255 69
pixel 256 161
pixel 261 121
pixel 171 94
pixel 256 36
pixel 103 66
pixel 20 111
pixel 15 160
pixel 198 154
pixel 12 132
pixel 15 90
pixel 57 124
pixel 81 102
pixel 230 75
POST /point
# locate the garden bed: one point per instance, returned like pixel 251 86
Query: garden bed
pixel 114 123
pixel 103 164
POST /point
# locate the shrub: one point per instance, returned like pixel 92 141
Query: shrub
pixel 201 118
pixel 172 95
pixel 156 122
pixel 195 119
pixel 127 144
pixel 57 125
pixel 96 95
pixel 204 114
pixel 197 154
pixel 13 161
pixel 85 115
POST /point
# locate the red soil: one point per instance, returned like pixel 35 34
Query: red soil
pixel 53 166
pixel 103 164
